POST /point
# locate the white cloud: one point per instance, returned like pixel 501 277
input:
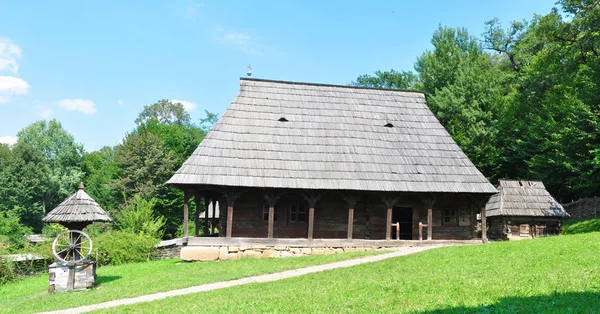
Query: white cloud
pixel 82 105
pixel 244 42
pixel 9 53
pixel 12 86
pixel 187 105
pixel 10 140
pixel 44 112
pixel 120 102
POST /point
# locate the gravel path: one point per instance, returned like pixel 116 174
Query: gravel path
pixel 261 278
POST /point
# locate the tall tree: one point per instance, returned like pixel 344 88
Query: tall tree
pixel 164 111
pixel 389 79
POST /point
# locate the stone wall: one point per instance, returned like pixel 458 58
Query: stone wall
pixel 213 253
pixel 165 252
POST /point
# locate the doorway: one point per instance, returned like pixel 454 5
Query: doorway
pixel 403 215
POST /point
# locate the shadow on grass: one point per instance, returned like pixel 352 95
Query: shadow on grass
pixel 105 279
pixel 570 302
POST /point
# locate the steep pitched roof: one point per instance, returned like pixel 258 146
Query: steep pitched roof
pixel 79 207
pixel 313 136
pixel 523 198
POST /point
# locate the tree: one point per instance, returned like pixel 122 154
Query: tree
pixel 389 79
pixel 165 112
pixel 61 154
pixel 101 169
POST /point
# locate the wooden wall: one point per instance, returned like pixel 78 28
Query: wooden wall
pixel 331 217
pixel 499 227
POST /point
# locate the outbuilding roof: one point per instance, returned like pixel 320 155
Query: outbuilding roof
pixel 523 198
pixel 313 136
pixel 79 207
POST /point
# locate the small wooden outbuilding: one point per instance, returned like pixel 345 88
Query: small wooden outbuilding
pixel 523 209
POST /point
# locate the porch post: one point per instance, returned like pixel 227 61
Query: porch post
pixel 484 238
pixel 389 203
pixel 429 201
pixel 214 220
pixel 312 199
pixel 231 197
pixel 271 200
pixel 197 198
pixel 207 201
pixel 186 199
pixel 351 201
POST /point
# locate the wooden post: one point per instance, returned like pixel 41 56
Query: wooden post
pixel 389 203
pixel 229 219
pixel 197 197
pixel 186 217
pixel 312 200
pixel 397 231
pixel 420 231
pixel 429 201
pixel 483 226
pixel 388 224
pixel 351 201
pixel 214 219
pixel 207 201
pixel 271 220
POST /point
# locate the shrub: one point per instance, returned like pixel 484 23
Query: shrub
pixel 118 247
pixel 51 230
pixel 7 272
pixel 138 217
pixel 12 231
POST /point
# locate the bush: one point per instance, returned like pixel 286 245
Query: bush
pixel 138 217
pixel 119 247
pixel 7 272
pixel 51 230
pixel 12 232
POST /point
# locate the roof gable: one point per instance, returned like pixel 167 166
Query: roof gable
pixel 333 137
pixel 523 198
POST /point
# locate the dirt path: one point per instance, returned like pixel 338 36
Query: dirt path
pixel 261 278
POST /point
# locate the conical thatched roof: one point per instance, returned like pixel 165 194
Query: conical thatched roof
pixel 523 198
pixel 77 208
pixel 312 136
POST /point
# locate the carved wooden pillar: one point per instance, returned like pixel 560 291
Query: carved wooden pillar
pixel 429 201
pixel 484 238
pixel 271 201
pixel 351 201
pixel 214 215
pixel 389 203
pixel 207 200
pixel 197 198
pixel 186 213
pixel 231 198
pixel 312 200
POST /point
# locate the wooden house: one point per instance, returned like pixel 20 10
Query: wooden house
pixel 523 209
pixel 313 162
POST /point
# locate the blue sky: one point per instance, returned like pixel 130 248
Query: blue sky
pixel 92 65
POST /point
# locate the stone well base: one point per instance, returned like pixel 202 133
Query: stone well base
pixel 214 253
pixel 64 277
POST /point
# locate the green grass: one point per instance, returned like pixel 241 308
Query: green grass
pixel 116 282
pixel 558 274
pixel 581 226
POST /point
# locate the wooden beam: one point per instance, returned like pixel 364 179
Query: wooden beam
pixel 397 231
pixel 197 198
pixel 214 220
pixel 186 213
pixel 206 220
pixel 271 220
pixel 388 224
pixel 350 222
pixel 483 226
pixel 229 219
pixel 429 222
pixel 420 231
pixel 311 222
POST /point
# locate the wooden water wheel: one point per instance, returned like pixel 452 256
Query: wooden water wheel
pixel 71 246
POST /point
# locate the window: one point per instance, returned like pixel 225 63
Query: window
pixel 450 217
pixel 265 213
pixel 297 213
pixel 524 230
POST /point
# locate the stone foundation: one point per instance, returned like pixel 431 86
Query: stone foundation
pixel 214 253
pixel 65 277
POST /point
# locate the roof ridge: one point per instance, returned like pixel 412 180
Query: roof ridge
pixel 331 85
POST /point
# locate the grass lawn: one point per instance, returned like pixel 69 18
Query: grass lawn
pixel 581 226
pixel 558 274
pixel 29 295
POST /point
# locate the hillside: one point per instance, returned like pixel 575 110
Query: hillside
pixel 549 275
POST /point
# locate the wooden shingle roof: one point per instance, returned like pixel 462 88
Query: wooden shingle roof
pixel 312 136
pixel 79 207
pixel 523 198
